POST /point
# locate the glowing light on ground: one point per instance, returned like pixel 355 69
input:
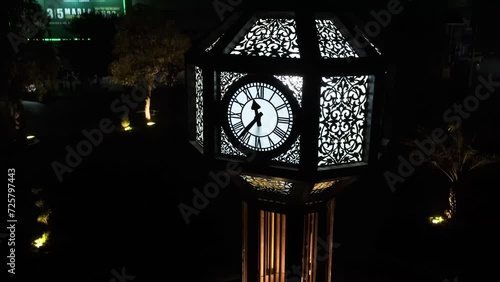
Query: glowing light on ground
pixel 125 123
pixel 150 123
pixel 436 220
pixel 44 217
pixel 128 128
pixel 39 203
pixel 42 240
pixel 29 137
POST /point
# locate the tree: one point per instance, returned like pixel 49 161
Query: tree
pixel 29 61
pixel 455 158
pixel 150 50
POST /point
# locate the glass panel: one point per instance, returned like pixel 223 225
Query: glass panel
pixel 292 156
pixel 272 244
pixel 294 83
pixel 270 38
pixel 199 105
pixel 332 44
pixel 226 147
pixel 227 79
pixel 268 184
pixel 342 119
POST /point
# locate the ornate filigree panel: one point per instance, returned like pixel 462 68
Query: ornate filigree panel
pixel 227 79
pixel 321 186
pixel 199 105
pixel 270 38
pixel 226 148
pixel 342 119
pixel 268 184
pixel 332 44
pixel 294 83
pixel 213 44
pixel 292 156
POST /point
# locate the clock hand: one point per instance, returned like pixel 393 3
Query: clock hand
pixel 256 108
pixel 247 128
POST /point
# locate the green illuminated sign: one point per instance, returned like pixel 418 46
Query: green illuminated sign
pixel 61 12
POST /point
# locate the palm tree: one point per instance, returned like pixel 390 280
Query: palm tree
pixel 455 158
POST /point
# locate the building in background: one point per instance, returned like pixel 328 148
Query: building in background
pixel 196 17
pixel 62 12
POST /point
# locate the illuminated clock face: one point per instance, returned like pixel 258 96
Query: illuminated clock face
pixel 260 115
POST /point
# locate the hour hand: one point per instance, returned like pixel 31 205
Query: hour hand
pixel 256 108
pixel 247 128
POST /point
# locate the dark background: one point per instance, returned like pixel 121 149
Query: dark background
pixel 119 207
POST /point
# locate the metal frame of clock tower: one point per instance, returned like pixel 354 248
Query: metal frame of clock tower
pixel 288 202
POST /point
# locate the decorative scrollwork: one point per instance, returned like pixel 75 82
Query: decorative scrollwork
pixel 332 44
pixel 213 44
pixel 294 83
pixel 226 148
pixel 199 105
pixel 342 119
pixel 270 38
pixel 292 156
pixel 322 186
pixel 227 79
pixel 269 184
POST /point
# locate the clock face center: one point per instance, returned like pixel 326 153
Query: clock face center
pixel 268 120
pixel 260 116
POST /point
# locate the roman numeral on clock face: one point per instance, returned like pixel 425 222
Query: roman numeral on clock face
pixel 260 91
pixel 258 143
pixel 247 93
pixel 270 141
pixel 283 120
pixel 280 132
pixel 238 126
pixel 235 115
pixel 282 106
pixel 246 137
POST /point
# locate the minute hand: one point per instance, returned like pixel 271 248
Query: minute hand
pixel 247 128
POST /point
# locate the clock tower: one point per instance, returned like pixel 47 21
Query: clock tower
pixel 290 99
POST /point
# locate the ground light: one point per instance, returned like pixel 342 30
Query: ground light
pixel 125 123
pixel 32 140
pixel 436 220
pixel 150 123
pixel 40 242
